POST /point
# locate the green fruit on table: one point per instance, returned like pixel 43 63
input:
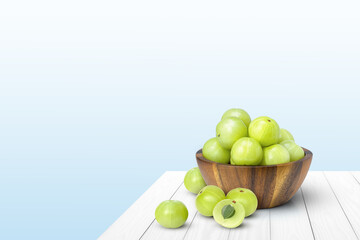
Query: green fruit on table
pixel 207 198
pixel 265 130
pixel 295 151
pixel 193 180
pixel 246 151
pixel 285 135
pixel 213 151
pixel 229 213
pixel 275 154
pixel 229 130
pixel 171 214
pixel 246 197
pixel 238 113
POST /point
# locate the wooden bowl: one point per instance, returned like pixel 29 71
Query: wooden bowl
pixel 273 185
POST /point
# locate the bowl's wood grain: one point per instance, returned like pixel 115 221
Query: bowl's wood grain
pixel 273 185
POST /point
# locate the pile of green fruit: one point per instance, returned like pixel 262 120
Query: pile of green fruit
pixel 229 211
pixel 240 141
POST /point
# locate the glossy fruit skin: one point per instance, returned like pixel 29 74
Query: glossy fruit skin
pixel 233 221
pixel 285 135
pixel 246 197
pixel 295 151
pixel 246 151
pixel 193 180
pixel 265 130
pixel 171 214
pixel 207 198
pixel 275 154
pixel 213 151
pixel 238 113
pixel 229 130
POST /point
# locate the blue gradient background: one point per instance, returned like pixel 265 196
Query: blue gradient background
pixel 99 98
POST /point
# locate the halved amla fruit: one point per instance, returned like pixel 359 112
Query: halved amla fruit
pixel 229 213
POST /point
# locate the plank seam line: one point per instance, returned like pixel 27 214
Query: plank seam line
pixel 307 212
pixel 190 224
pixel 154 218
pixel 354 177
pixel 340 205
pixel 270 223
pixel 228 237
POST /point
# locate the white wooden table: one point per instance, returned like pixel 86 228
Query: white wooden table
pixel 327 206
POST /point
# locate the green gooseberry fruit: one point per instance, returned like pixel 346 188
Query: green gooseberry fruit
pixel 229 213
pixel 246 197
pixel 238 113
pixel 265 130
pixel 194 181
pixel 246 151
pixel 285 135
pixel 171 214
pixel 213 151
pixel 275 154
pixel 296 152
pixel 229 130
pixel 207 198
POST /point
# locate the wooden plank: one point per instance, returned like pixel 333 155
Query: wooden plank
pixel 156 231
pixel 134 222
pixel 347 191
pixel 327 218
pixel 291 221
pixel 254 227
pixel 205 228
